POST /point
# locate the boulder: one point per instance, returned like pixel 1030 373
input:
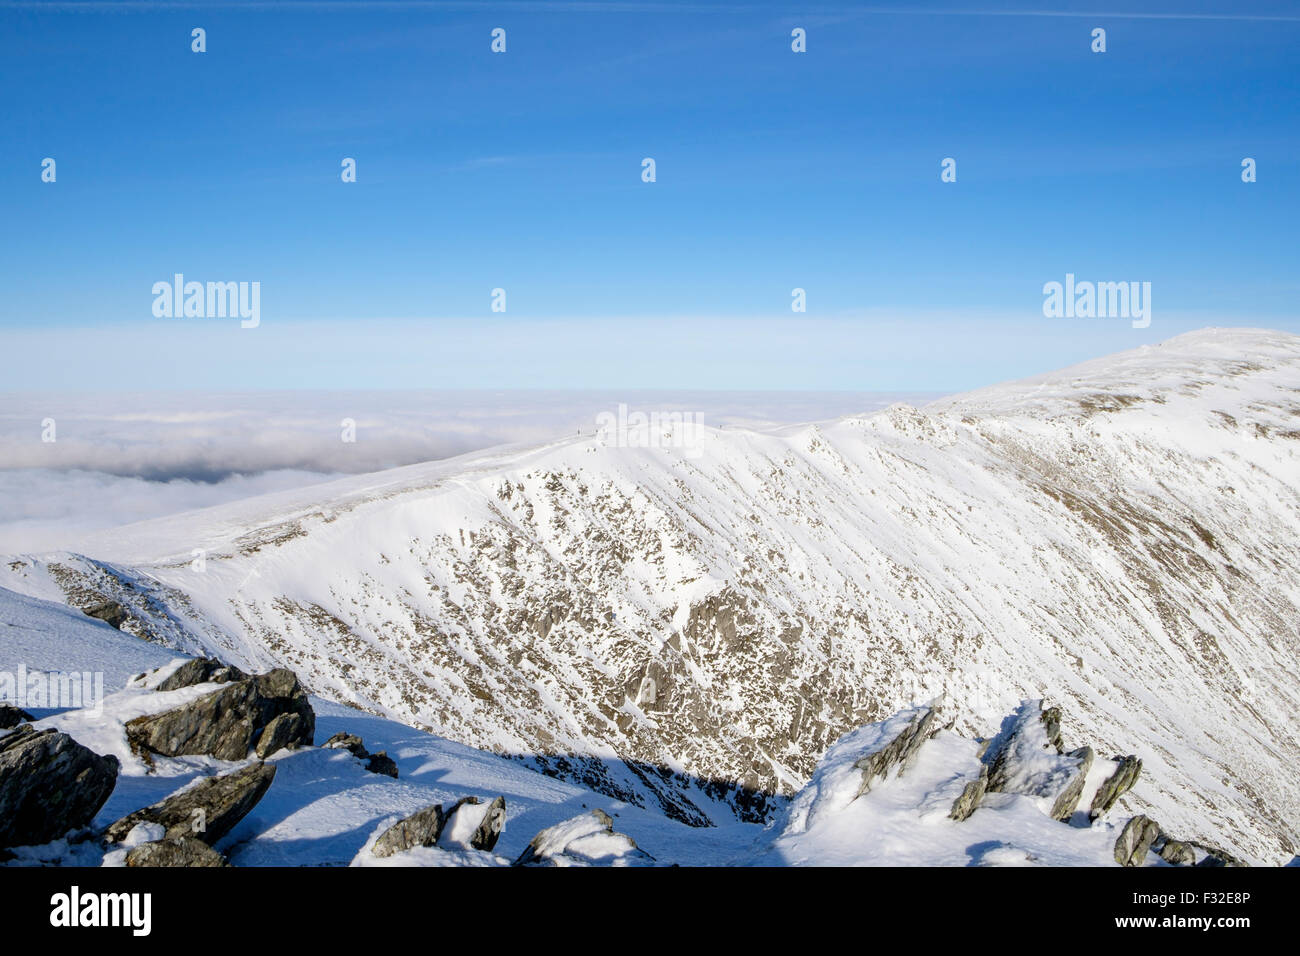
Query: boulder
pixel 1135 840
pixel 284 731
pixel 1028 758
pixel 899 750
pixel 182 851
pixel 349 742
pixel 382 763
pixel 110 612
pixel 1176 852
pixel 201 670
pixel 1116 785
pixel 226 723
pixel 1215 856
pixel 421 828
pixel 586 840
pixel 49 785
pixel 473 825
pixel 207 810
pixel 971 795
pixel 11 716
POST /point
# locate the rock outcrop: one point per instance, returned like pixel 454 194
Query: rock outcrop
pixel 969 800
pixel 474 825
pixel 49 785
pixel 228 722
pixel 182 851
pixel 201 670
pixel 376 763
pixel 1028 758
pixel 586 840
pixel 898 751
pixel 467 824
pixel 421 828
pixel 207 810
pixel 1116 785
pixel 1135 840
pixel 11 716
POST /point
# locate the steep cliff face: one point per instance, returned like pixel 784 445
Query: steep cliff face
pixel 689 619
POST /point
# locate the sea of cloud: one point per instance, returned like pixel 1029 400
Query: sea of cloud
pixel 116 458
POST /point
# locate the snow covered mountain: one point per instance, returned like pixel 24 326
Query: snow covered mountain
pixel 687 618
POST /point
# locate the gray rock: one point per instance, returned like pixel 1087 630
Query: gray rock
pixel 226 722
pixel 421 828
pixel 1215 856
pixel 201 670
pixel 900 751
pixel 971 795
pixel 1116 785
pixel 1177 852
pixel 183 851
pixel 11 716
pixel 382 763
pixel 349 742
pixel 49 785
pixel 1135 840
pixel 1068 799
pixel 110 612
pixel 208 810
pixel 1028 758
pixel 491 821
pixel 284 731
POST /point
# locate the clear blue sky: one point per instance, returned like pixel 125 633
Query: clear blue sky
pixel 522 171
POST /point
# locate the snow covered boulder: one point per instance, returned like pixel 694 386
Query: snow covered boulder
pixel 473 825
pixel 208 809
pixel 468 825
pixel 49 785
pixel 1027 758
pixel 897 746
pixel 586 840
pixel 228 722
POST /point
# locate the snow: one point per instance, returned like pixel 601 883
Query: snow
pixel 1122 537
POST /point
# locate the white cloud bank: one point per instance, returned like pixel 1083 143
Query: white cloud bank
pixel 119 457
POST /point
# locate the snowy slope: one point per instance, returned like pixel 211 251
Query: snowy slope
pixel 1122 537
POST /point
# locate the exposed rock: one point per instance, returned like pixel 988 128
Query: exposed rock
pixel 11 716
pixel 109 612
pixel 382 763
pixel 421 828
pixel 349 742
pixel 470 824
pixel 899 751
pixel 182 851
pixel 971 796
pixel 1116 785
pixel 201 670
pixel 1068 799
pixel 49 785
pixel 1215 856
pixel 284 731
pixel 1027 758
pixel 586 840
pixel 1177 852
pixel 208 810
pixel 1135 840
pixel 226 722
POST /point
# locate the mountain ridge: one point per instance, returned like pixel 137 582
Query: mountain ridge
pixel 725 615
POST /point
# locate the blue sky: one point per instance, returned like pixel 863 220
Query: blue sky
pixel 522 171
